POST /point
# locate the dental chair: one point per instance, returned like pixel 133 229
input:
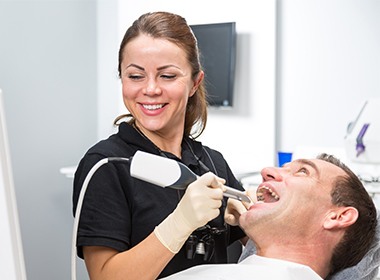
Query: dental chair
pixel 366 269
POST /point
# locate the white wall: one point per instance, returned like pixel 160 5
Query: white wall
pixel 329 63
pixel 48 76
pixel 109 90
pixel 246 134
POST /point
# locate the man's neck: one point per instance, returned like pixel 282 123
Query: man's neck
pixel 313 256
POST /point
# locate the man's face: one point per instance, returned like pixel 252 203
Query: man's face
pixel 293 201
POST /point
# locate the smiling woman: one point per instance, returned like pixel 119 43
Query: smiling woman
pixel 141 230
pixel 157 82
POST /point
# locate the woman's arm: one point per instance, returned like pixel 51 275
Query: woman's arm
pixel 144 261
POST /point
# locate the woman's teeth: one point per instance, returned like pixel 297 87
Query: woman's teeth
pixel 153 107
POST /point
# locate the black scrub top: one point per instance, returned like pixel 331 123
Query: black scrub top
pixel 119 211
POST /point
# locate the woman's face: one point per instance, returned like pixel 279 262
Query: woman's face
pixel 156 83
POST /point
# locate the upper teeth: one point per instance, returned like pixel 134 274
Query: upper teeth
pixel 260 194
pixel 153 107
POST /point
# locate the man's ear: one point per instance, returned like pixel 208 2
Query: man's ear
pixel 341 217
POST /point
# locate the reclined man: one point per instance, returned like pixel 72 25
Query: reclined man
pixel 309 220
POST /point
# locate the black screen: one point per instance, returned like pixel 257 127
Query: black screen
pixel 217 45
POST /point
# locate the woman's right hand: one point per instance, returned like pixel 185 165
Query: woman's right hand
pixel 200 204
pixel 202 201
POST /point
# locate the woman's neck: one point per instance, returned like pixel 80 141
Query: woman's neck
pixel 168 142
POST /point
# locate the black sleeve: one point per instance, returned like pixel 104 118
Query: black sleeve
pixel 104 218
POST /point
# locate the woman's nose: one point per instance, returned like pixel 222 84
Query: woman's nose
pixel 271 173
pixel 152 87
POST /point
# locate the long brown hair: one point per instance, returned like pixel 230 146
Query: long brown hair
pixel 175 29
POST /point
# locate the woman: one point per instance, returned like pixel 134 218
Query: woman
pixel 132 229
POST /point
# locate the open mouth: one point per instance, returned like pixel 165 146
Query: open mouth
pixel 267 195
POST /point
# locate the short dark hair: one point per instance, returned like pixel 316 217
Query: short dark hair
pixel 348 190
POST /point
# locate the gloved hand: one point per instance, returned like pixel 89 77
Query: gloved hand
pixel 235 208
pixel 200 204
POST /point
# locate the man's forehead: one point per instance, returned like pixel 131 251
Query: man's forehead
pixel 328 168
pixel 322 167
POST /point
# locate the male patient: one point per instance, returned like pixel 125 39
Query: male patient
pixel 311 219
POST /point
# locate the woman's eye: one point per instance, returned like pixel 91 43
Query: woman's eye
pixel 135 77
pixel 168 76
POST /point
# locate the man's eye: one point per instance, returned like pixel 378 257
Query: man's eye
pixel 303 170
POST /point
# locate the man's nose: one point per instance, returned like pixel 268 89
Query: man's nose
pixel 271 173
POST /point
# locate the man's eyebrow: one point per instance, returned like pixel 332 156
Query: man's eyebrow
pixel 310 163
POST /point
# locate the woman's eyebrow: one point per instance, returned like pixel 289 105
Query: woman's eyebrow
pixel 135 65
pixel 159 68
pixel 167 66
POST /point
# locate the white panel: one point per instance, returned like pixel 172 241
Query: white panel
pixel 11 254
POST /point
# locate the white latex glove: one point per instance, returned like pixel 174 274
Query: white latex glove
pixel 235 208
pixel 200 204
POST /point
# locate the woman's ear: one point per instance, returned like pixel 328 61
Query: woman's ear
pixel 197 82
pixel 341 217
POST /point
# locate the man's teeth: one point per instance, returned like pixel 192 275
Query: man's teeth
pixel 261 194
pixel 153 107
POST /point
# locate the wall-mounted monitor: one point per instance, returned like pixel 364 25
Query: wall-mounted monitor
pixel 217 45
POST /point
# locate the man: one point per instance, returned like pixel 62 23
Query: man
pixel 311 219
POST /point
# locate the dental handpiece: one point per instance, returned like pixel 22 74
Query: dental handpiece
pixel 168 173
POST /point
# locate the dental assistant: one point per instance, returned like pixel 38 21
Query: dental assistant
pixel 130 229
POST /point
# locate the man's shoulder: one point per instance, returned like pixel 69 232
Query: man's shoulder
pixel 254 267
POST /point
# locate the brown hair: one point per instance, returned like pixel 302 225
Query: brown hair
pixel 349 191
pixel 175 29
